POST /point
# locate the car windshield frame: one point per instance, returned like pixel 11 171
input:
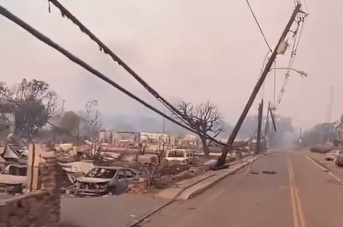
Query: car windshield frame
pixel 176 154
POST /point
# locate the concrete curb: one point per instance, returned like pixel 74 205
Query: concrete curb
pixel 217 180
pixel 177 192
pixel 176 196
pixel 203 189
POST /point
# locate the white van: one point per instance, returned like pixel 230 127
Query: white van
pixel 184 156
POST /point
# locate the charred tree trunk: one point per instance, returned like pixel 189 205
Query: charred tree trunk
pixel 205 146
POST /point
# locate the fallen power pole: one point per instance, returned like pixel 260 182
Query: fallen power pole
pixel 222 159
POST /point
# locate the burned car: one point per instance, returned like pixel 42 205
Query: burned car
pixel 13 178
pixel 339 160
pixel 102 180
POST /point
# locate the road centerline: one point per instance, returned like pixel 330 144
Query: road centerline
pixel 298 214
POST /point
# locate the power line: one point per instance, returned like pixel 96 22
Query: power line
pixel 296 40
pixel 78 61
pixel 274 84
pixel 103 48
pixel 258 24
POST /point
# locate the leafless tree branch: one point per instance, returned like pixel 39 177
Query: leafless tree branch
pixel 93 118
pixel 204 118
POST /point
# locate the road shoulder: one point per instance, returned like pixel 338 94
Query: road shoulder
pixel 190 188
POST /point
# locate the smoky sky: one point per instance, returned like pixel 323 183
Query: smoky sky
pixel 186 49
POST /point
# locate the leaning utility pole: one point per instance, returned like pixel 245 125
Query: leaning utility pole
pixel 259 127
pixel 222 159
pixel 266 126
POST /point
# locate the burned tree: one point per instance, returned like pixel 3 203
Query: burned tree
pixel 69 124
pixel 204 118
pixel 91 119
pixel 35 104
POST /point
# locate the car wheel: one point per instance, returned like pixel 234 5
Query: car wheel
pixel 111 191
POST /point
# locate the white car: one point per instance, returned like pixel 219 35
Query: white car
pixel 330 156
pixel 184 156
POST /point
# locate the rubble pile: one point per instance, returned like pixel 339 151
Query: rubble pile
pixel 165 176
pixel 142 171
pixel 171 169
pixel 168 180
pixel 139 188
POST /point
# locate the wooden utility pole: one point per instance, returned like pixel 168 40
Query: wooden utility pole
pixel 259 127
pixel 266 126
pixel 222 159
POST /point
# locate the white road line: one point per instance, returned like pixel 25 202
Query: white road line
pixel 336 178
pixel 325 170
pixel 321 167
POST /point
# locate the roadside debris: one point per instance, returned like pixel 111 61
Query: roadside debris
pixel 90 170
pixel 94 168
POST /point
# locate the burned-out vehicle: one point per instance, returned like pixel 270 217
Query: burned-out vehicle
pixel 339 160
pixel 102 180
pixel 13 178
pixel 182 156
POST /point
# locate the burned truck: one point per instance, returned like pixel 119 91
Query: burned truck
pixel 102 180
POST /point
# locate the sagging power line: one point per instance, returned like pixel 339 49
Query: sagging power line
pixel 10 16
pixel 222 159
pixel 259 26
pixel 103 48
pixel 296 40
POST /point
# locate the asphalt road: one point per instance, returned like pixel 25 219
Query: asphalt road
pixel 107 211
pixel 299 194
pixel 330 165
pixel 111 211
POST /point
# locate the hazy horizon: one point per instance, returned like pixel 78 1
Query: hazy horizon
pixel 187 50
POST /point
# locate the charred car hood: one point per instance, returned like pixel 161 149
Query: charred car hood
pixel 92 180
